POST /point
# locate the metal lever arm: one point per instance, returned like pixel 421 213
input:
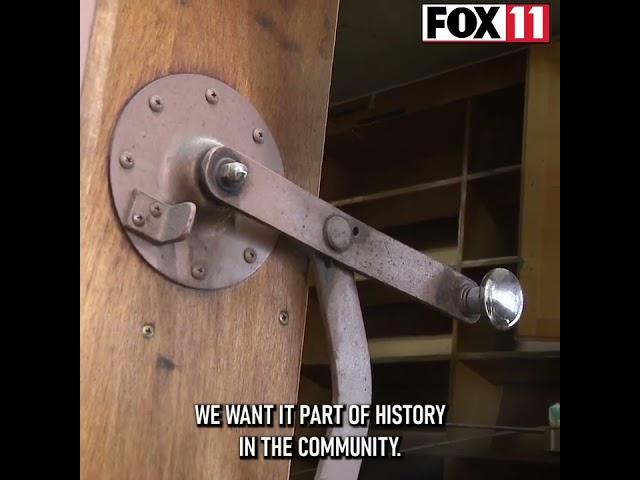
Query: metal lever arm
pixel 348 356
pixel 278 202
pixel 272 199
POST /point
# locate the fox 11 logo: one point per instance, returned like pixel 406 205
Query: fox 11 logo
pixel 484 23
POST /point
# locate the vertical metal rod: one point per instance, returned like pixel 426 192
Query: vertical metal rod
pixel 348 356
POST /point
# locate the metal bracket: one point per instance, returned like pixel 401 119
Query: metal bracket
pixel 157 221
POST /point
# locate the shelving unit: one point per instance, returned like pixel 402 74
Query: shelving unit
pixel 438 164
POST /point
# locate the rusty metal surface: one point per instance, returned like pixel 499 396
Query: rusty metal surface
pixel 348 356
pixel 272 199
pixel 165 147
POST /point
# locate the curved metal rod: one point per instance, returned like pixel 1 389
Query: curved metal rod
pixel 348 356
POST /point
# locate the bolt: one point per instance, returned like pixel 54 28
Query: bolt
pixel 338 233
pixel 283 317
pixel 198 272
pixel 258 135
pixel 138 219
pixel 155 103
pixel 126 160
pixel 156 209
pixel 148 331
pixel 249 255
pixel 232 175
pixel 212 96
pixel 471 301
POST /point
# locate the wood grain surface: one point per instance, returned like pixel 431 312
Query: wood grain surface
pixel 540 235
pixel 137 394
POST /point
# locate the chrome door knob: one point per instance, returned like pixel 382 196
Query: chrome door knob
pixel 499 298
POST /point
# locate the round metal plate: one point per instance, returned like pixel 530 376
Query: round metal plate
pixel 163 133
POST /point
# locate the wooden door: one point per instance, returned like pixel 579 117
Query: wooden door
pixel 137 394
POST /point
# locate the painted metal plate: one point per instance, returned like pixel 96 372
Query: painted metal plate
pixel 158 143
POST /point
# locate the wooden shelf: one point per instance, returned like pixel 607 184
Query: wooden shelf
pixel 397 192
pixel 404 319
pixel 523 455
pixel 518 447
pixel 491 262
pixel 513 354
pixel 400 349
pixel 438 165
pixel 472 80
pixel 496 129
pixel 372 293
pixel 443 202
pixel 413 468
pixel 420 187
pixel 493 172
pixel 491 216
pixel 415 381
pixel 417 148
pixel 516 368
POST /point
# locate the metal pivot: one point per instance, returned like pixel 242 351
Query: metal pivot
pixel 348 356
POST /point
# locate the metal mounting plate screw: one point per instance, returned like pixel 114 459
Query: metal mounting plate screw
pixel 138 219
pixel 155 103
pixel 212 96
pixel 283 317
pixel 148 331
pixel 250 255
pixel 156 209
pixel 198 272
pixel 126 160
pixel 258 135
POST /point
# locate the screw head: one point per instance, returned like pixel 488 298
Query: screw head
pixel 155 103
pixel 155 209
pixel 138 219
pixel 283 317
pixel 258 135
pixel 198 272
pixel 126 160
pixel 231 174
pixel 250 255
pixel 148 331
pixel 212 96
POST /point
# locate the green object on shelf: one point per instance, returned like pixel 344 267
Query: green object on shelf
pixel 554 415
